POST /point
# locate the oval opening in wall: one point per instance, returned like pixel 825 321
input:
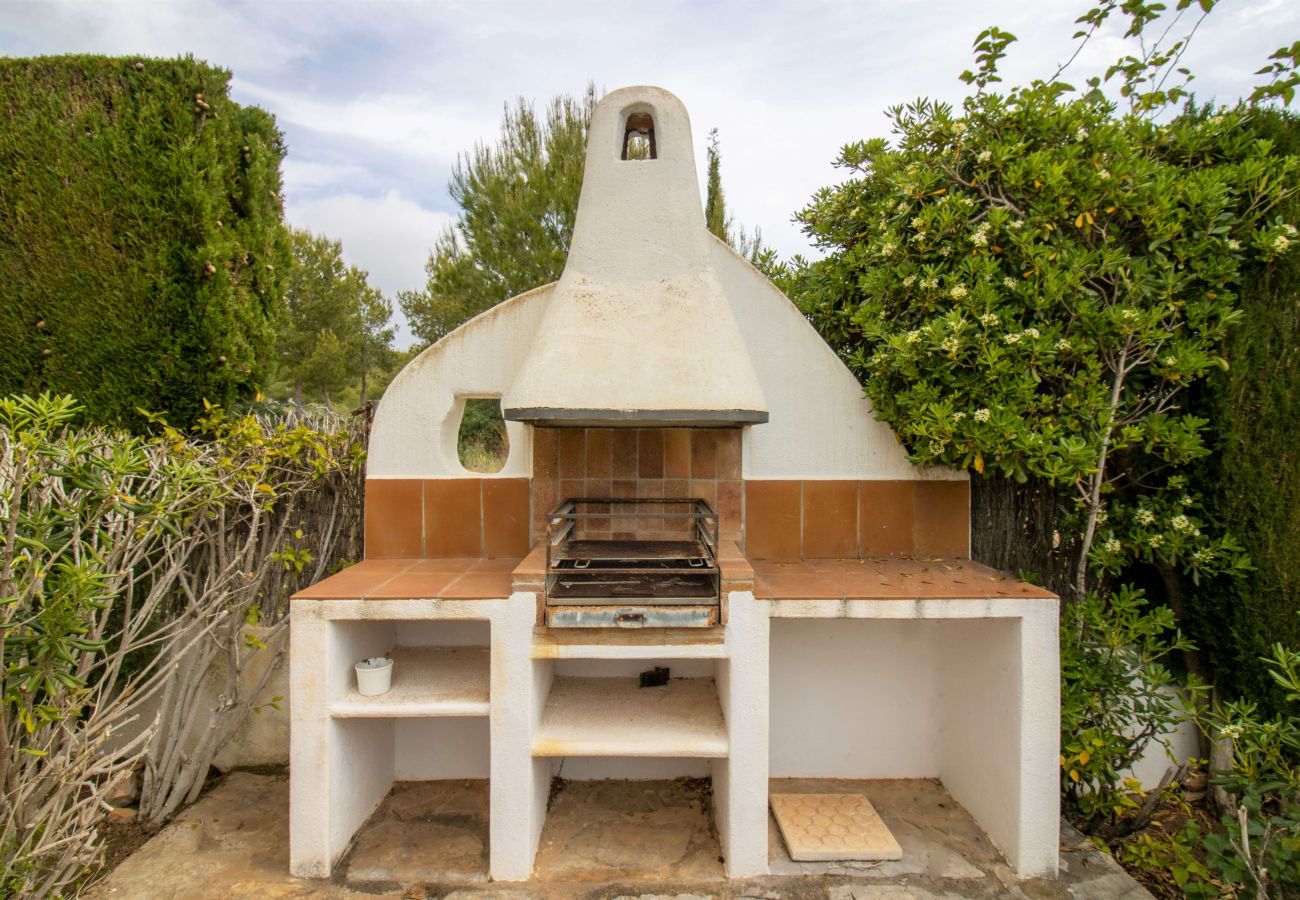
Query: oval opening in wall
pixel 481 441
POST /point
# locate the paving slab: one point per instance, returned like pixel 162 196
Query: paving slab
pixel 234 843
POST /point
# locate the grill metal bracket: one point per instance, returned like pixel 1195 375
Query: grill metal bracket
pixel 636 562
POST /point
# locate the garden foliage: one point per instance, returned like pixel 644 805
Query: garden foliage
pixel 1034 285
pixel 1251 481
pixel 1030 286
pixel 142 253
pixel 127 565
pixel 335 337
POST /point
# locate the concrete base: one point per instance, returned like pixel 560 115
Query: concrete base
pixel 234 843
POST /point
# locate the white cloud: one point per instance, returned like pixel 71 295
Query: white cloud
pixel 302 176
pixel 377 98
pixel 387 235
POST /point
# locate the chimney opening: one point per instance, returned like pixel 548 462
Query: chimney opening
pixel 639 137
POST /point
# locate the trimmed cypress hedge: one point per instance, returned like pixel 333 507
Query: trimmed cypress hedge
pixel 1252 481
pixel 142 248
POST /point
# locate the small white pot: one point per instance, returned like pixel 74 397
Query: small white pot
pixel 374 676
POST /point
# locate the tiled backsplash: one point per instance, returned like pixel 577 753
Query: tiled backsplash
pixel 638 462
pixel 791 520
pixel 773 519
pixel 408 517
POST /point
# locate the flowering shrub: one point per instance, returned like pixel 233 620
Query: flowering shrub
pixel 1030 287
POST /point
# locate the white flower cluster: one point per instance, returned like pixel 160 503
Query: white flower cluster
pixel 936 447
pixel 1186 500
pixel 1281 243
pixel 902 206
pixel 989 319
pixel 982 415
pixel 951 344
pixel 1017 337
pixel 985 156
pixel 918 222
pixel 1009 283
pixel 1016 224
pixel 1103 174
pixel 1145 516
pixel 958 415
pixel 1032 332
pixel 980 236
pixel 1181 523
pixel 958 127
pixel 1169 362
pixel 1231 732
pixel 1112 546
pixel 1234 245
pixel 1013 338
pixel 914 337
pixel 929 282
pixel 1203 555
pixel 1129 315
pixel 888 249
pixel 1063 345
pixel 958 291
pixel 909 281
pixel 1081 133
pixel 1155 541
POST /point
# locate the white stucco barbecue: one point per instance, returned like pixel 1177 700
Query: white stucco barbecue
pixel 656 319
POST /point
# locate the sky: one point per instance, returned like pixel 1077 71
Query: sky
pixel 377 97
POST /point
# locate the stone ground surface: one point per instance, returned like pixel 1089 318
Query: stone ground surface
pixel 602 840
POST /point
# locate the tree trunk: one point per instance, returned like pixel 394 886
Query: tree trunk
pixel 1014 528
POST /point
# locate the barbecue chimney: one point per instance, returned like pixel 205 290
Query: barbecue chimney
pixel 638 331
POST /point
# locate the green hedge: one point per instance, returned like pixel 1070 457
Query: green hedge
pixel 142 248
pixel 1252 480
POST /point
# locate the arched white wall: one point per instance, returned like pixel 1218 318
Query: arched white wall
pixel 415 430
pixel 821 424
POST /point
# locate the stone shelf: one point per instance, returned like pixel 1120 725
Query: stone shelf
pixel 616 717
pixel 634 643
pixel 427 681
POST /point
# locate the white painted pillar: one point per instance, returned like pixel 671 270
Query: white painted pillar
pixel 519 784
pixel 740 780
pixel 309 752
pixel 1040 740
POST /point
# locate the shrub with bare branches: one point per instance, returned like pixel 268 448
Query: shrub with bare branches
pixel 127 565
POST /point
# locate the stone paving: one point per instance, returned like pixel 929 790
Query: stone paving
pixel 602 840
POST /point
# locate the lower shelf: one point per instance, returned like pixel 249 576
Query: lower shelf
pixel 427 681
pixel 616 717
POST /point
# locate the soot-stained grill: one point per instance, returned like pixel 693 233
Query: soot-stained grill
pixel 632 563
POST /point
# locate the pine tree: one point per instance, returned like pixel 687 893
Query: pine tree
pixel 335 327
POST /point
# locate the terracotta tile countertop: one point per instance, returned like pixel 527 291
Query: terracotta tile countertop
pixel 456 578
pixel 887 579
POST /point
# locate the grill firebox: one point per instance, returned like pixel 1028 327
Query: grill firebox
pixel 632 563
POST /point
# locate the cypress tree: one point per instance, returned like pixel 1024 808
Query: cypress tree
pixel 142 252
pixel 715 205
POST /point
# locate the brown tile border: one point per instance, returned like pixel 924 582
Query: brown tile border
pixel 394 517
pixel 773 515
pixel 885 518
pixel 830 519
pixel 789 520
pixel 941 518
pixel 446 517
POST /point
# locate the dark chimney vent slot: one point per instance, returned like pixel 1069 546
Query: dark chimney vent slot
pixel 639 136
